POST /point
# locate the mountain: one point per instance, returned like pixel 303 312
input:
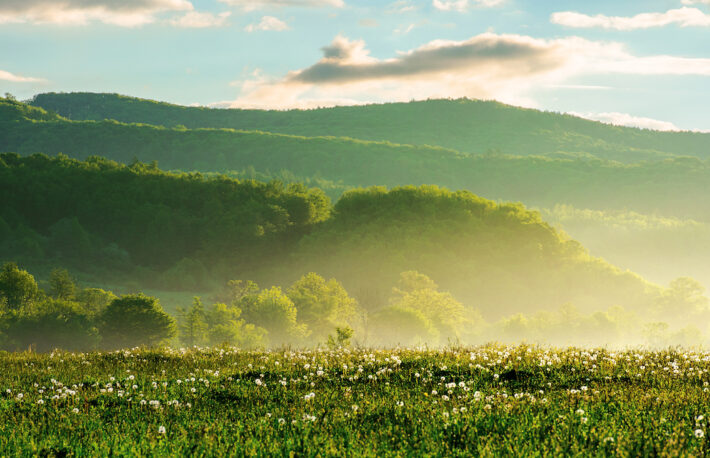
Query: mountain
pixel 470 126
pixel 671 187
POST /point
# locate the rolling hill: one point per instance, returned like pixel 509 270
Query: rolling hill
pixel 470 126
pixel 535 180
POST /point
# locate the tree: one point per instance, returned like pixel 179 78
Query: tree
pixel 418 292
pixel 135 320
pixel 55 323
pixel 226 327
pixel 341 338
pixel 192 327
pixel 272 310
pixel 396 325
pixel 94 300
pixel 17 287
pixel 322 305
pixel 685 298
pixel 61 285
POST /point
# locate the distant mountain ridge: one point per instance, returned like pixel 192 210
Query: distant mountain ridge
pixel 470 126
pixel 670 186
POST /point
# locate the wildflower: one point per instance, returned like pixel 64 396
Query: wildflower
pixel 258 382
pixel 75 410
pixel 41 401
pixel 699 433
pixel 161 429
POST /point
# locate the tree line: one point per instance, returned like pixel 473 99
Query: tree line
pixel 314 311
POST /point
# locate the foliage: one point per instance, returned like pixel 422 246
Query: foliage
pixel 323 306
pixel 61 284
pixel 17 287
pixel 55 323
pixel 219 324
pixel 135 320
pixel 81 212
pixel 272 310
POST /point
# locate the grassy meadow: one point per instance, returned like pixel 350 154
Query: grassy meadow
pixel 486 401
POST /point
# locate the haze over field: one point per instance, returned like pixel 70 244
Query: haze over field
pixel 395 173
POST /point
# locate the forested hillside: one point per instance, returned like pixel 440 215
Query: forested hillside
pixel 471 126
pixel 101 216
pixel 182 231
pixel 537 181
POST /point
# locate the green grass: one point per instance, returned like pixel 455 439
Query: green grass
pixel 489 401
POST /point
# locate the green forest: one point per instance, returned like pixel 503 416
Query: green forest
pixel 589 185
pixel 342 163
pixel 446 266
pixel 291 234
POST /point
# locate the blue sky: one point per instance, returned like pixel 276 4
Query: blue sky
pixel 634 62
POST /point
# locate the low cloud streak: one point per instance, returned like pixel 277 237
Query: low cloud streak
pixel 13 78
pixel 683 17
pixel 126 13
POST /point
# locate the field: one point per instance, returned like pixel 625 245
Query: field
pixel 488 401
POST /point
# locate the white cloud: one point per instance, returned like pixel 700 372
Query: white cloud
pixel 463 5
pixel 251 5
pixel 401 6
pixel 683 17
pixel 268 23
pixel 489 66
pixel 13 78
pixel 693 2
pixel 196 20
pixel 127 13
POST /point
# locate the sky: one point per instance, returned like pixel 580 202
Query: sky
pixel 631 62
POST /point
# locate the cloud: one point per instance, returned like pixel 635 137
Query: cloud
pixel 347 61
pixel 489 66
pixel 463 5
pixel 268 23
pixel 401 6
pixel 403 30
pixel 683 17
pixel 127 13
pixel 368 22
pixel 251 5
pixel 693 2
pixel 196 20
pixel 11 77
pixel 625 119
